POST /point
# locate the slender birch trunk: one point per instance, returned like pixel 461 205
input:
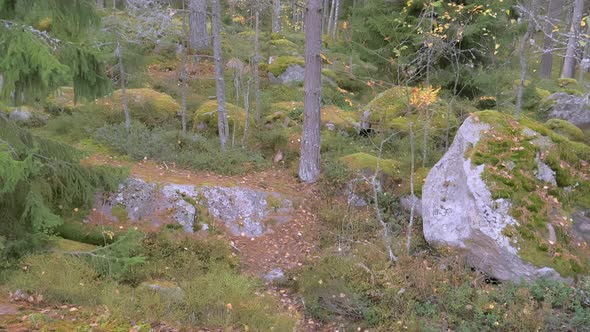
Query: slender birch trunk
pixel 222 124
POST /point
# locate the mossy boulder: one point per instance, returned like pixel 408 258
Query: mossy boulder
pixel 205 117
pixel 338 118
pixel 367 164
pixel 504 194
pixel 332 117
pixel 145 105
pixel 568 130
pixel 281 63
pixel 394 110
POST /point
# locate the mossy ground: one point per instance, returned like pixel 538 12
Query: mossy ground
pixel 510 158
pixel 145 105
pixel 363 161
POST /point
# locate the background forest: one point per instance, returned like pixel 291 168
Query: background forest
pixel 342 106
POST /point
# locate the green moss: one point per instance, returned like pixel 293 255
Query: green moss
pixel 363 161
pixel 145 105
pixel 567 129
pixel 207 114
pixel 283 44
pixel 281 63
pixel 391 110
pixel 509 157
pixel 120 212
pixel 330 74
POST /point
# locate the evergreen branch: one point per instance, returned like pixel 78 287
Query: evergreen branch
pixel 43 35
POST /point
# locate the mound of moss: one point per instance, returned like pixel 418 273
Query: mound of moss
pixel 145 105
pixel 281 63
pixel 365 162
pixel 512 152
pixel 567 129
pixel 394 110
pixel 207 115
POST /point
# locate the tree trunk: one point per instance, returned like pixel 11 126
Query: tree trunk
pixel 122 82
pixel 554 8
pixel 222 125
pixel 584 59
pixel 336 12
pixel 183 78
pixel 309 166
pixel 199 39
pixel 256 64
pixel 569 63
pixel 276 16
pixel 247 110
pixel 325 12
pixel 331 16
pixel 100 4
pixel 523 64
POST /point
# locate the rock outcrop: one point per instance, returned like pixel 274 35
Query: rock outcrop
pixel 243 211
pixel 498 230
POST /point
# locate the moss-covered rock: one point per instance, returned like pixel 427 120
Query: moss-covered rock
pixel 365 162
pixel 509 153
pixel 341 119
pixel 281 63
pixel 205 117
pixel 505 192
pixel 145 105
pixel 568 130
pixel 394 110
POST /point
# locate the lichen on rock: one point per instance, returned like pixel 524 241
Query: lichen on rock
pixel 486 198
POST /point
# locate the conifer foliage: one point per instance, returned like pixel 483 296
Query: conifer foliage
pixel 45 44
pixel 41 182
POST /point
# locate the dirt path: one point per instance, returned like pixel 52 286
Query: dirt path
pixel 286 246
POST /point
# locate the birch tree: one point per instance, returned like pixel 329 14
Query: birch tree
pixel 222 125
pixel 309 166
pixel 523 63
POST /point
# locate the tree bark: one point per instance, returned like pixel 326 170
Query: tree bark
pixel 100 4
pixel 123 87
pixel 325 12
pixel 199 39
pixel 523 64
pixel 276 16
pixel 309 166
pixel 336 13
pixel 331 16
pixel 222 124
pixel 554 8
pixel 256 64
pixel 583 60
pixel 183 78
pixel 569 63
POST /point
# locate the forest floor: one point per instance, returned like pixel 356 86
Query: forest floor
pixel 286 246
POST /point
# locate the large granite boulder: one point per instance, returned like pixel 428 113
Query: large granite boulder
pixel 493 198
pixel 572 108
